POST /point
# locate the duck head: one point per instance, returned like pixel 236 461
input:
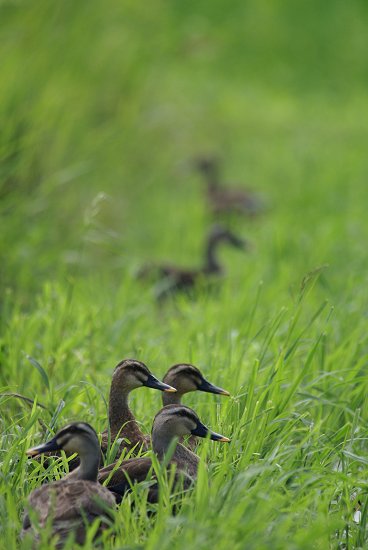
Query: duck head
pixel 187 378
pixel 130 374
pixel 177 421
pixel 73 438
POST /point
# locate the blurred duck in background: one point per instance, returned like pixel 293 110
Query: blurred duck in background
pixel 224 199
pixel 175 278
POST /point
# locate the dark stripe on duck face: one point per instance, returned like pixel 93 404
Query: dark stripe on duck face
pixel 186 413
pixel 139 373
pixel 77 428
pixel 189 371
pixel 133 366
pixel 185 368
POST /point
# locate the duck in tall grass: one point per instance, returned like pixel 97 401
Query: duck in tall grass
pixel 222 198
pixel 170 423
pixel 174 278
pixel 124 431
pixel 128 375
pixel 187 378
pixel 72 503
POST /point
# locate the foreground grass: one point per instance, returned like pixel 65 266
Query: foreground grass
pixel 297 418
pixel 96 178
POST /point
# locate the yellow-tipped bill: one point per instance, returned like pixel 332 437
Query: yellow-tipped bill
pixel 47 447
pixel 170 389
pixel 224 439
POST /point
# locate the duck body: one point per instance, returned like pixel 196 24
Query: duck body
pixel 68 505
pixel 224 199
pixel 174 278
pixel 172 421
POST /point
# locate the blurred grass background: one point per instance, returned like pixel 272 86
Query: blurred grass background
pixel 118 100
pixel 103 107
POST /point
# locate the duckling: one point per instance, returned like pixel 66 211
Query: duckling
pixel 187 378
pixel 177 278
pixel 128 375
pixel 170 423
pixel 222 199
pixel 75 499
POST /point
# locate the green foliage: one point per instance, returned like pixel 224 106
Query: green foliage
pixel 103 107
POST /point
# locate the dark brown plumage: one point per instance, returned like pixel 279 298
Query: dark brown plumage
pixel 172 421
pixel 75 500
pixel 187 378
pixel 221 198
pixel 175 278
pixel 128 375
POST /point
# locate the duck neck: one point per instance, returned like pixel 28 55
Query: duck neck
pixel 89 462
pixel 212 265
pixel 211 174
pixel 119 411
pixel 161 440
pixel 171 398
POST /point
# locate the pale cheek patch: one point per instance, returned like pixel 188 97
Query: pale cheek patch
pixel 71 445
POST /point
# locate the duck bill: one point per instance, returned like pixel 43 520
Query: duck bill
pixel 152 382
pixel 202 431
pixel 218 437
pixel 211 388
pixel 48 447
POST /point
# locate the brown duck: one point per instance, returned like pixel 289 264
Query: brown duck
pixel 223 199
pixel 176 278
pixel 187 378
pixel 128 375
pixel 170 423
pixel 77 499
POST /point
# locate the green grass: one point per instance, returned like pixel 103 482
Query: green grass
pixel 103 106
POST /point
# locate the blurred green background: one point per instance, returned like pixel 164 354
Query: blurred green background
pixel 118 98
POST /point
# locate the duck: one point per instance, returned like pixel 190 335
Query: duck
pixel 186 378
pixel 68 504
pixel 223 199
pixel 175 278
pixel 170 423
pixel 128 375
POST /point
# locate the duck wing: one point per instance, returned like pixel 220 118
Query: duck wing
pixel 135 469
